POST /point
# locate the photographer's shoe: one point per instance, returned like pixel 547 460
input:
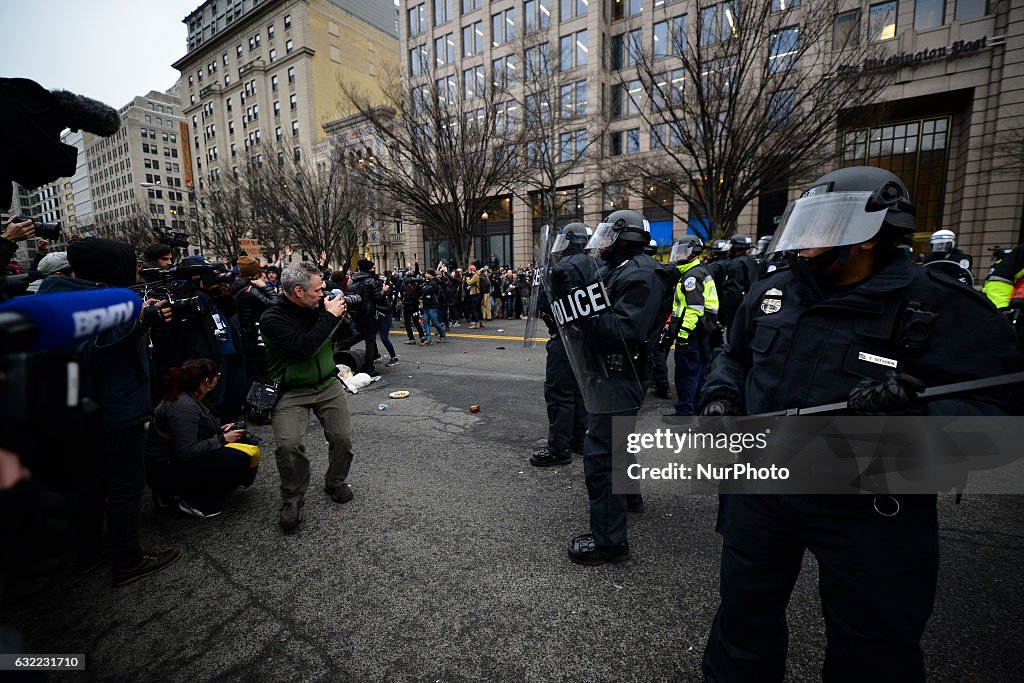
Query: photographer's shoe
pixel 635 503
pixel 340 492
pixel 542 457
pixel 150 563
pixel 410 342
pixel 392 363
pixel 584 551
pixel 291 515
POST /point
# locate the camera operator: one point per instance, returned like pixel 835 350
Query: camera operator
pixel 187 458
pixel 14 232
pixel 54 264
pixel 116 372
pixel 214 334
pixel 253 296
pixel 410 288
pixel 158 255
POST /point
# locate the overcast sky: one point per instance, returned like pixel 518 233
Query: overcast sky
pixel 110 50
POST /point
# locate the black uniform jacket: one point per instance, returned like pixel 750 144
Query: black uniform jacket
pixel 787 351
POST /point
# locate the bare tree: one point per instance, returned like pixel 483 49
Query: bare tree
pixel 738 98
pixel 1008 152
pixel 224 215
pixel 136 229
pixel 322 204
pixel 561 112
pixel 446 149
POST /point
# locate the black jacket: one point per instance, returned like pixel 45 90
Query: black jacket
pixel 786 350
pixel 741 272
pixel 252 301
pixel 432 293
pixel 182 430
pixel 370 289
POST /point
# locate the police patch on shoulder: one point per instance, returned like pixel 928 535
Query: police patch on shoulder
pixel 690 284
pixel 774 291
pixel 769 305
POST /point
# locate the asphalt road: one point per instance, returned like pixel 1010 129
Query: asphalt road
pixel 450 564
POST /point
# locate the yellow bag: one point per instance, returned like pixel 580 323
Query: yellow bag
pixel 252 451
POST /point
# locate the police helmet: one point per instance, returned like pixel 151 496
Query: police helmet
pixel 686 249
pixel 739 241
pixel 763 242
pixel 846 207
pixel 942 241
pixel 719 247
pixel 623 225
pixel 574 233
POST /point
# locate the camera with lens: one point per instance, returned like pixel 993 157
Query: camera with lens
pixel 247 438
pixel 349 299
pixel 177 240
pixel 46 231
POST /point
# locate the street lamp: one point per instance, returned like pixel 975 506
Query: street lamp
pixel 195 210
pixel 483 238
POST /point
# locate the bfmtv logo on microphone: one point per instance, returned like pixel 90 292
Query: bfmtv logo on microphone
pixel 92 322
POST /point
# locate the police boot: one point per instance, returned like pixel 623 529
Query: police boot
pixel 585 551
pixel 542 457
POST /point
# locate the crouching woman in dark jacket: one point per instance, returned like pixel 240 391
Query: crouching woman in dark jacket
pixel 186 451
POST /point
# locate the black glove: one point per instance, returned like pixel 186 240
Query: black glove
pixel 719 408
pixel 896 394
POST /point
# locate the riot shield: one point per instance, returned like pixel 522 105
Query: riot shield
pixel 603 363
pixel 952 269
pixel 540 264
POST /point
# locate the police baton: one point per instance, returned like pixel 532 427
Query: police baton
pixel 930 393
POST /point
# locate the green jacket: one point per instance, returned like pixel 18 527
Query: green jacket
pixel 298 342
pixel 696 298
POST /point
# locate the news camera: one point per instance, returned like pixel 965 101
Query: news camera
pixel 177 240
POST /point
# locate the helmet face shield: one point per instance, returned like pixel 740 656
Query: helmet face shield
pixel 682 251
pixel 832 219
pixel 565 238
pixel 603 237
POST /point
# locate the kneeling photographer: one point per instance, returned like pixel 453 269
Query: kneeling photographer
pixel 188 457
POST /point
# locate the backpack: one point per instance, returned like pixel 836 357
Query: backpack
pixel 485 285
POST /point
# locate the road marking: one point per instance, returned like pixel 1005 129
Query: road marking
pixel 491 336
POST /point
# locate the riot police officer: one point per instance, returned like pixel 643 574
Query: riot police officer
pixel 609 339
pixel 659 360
pixel 947 258
pixel 567 414
pixel 836 325
pixel 694 317
pixel 741 272
pixel 718 259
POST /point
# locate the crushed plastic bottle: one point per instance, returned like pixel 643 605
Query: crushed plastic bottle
pixel 382 406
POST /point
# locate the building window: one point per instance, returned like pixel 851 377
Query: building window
pixel 470 5
pixel 417 19
pixel 270 32
pixel 717 23
pixel 473 39
pixel 573 100
pixel 782 49
pixel 929 14
pixel 626 8
pixel 417 61
pixel 291 74
pixel 228 103
pixel 288 47
pixel 626 49
pixel 293 102
pixel 473 82
pixel 537 61
pixel 273 83
pixel 573 50
pixel 295 127
pixel 503 71
pixel 287 21
pixel 442 11
pixel 668 88
pixel 882 21
pixel 783 5
pixel 780 109
pixel 625 99
pixel 503 27
pixel 970 9
pixel 846 30
pixel 670 36
pixel 572 146
pixel 296 154
pixel 444 50
pixel 916 151
pixel 238 51
pixel 574 8
pixel 277 133
pixel 273 55
pixel 536 15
